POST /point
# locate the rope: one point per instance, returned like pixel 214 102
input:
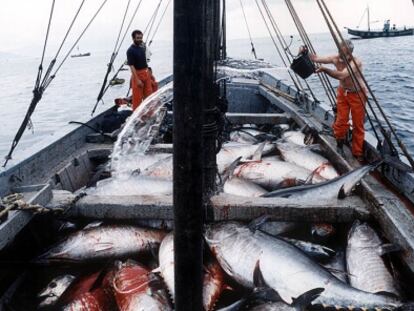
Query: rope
pixel 285 47
pixel 159 22
pixel 15 202
pixel 40 87
pixel 111 61
pixel 151 22
pixel 326 84
pixel 296 83
pixel 399 142
pixel 248 30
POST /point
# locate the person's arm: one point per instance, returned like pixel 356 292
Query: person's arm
pixel 133 70
pixel 337 74
pixel 322 59
pixel 135 75
pixel 318 59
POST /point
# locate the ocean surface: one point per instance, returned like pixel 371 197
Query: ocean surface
pixel 388 65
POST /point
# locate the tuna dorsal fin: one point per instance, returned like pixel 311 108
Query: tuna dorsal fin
pixel 258 222
pixel 258 279
pixel 306 299
pixel 257 156
pixel 341 193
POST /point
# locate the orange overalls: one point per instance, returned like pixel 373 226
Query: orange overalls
pixel 140 93
pixel 348 101
pixel 154 84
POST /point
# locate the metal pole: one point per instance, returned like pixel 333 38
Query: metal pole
pixel 191 88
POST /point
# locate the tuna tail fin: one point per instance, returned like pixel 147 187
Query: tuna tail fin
pixel 306 299
pixel 406 307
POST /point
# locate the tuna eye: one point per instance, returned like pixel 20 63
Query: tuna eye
pixel 53 285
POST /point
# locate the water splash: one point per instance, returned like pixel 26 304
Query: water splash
pixel 138 133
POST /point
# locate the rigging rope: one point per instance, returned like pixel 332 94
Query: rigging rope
pixel 151 22
pixel 248 30
pixel 111 61
pixel 42 83
pixel 285 48
pixel 329 19
pixel 326 84
pixel 296 83
pixel 159 23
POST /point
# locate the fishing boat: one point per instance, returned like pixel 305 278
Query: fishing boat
pixel 54 179
pixel 79 54
pixel 387 30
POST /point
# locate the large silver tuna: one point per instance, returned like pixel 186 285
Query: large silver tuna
pixel 213 281
pixel 105 242
pixel 305 157
pixel 242 187
pixel 336 188
pixel 230 152
pixel 366 267
pixel 284 268
pixel 275 174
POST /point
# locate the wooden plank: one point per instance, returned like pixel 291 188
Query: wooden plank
pixel 227 207
pixel 224 207
pixel 258 118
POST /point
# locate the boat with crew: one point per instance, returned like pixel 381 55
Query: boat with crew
pixel 387 30
pixel 79 181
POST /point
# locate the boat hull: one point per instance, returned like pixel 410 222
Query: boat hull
pixel 380 34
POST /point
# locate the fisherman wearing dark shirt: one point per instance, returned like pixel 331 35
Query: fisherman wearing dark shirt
pixel 140 77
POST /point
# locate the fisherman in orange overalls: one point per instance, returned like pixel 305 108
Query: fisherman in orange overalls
pixel 350 98
pixel 140 77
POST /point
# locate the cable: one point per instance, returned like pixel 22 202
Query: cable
pixel 159 22
pixel 248 30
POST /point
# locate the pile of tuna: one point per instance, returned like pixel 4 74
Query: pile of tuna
pixel 256 266
pixel 252 163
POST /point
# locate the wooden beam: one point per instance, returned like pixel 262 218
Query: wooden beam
pixel 225 207
pixel 258 118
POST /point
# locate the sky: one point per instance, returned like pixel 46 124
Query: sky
pixel 23 22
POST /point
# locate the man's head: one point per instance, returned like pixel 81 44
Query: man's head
pixel 347 47
pixel 137 36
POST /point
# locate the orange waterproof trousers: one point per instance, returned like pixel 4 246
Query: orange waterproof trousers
pixel 351 102
pixel 140 93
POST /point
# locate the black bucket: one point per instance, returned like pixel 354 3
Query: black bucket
pixel 302 65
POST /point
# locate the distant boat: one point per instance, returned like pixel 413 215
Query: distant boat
pixel 80 54
pixel 387 30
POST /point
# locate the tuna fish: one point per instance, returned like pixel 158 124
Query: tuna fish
pixel 54 290
pixel 230 152
pixel 92 294
pixel 137 289
pixel 105 242
pixel 306 158
pixel 337 188
pixel 213 283
pixel 285 269
pixel 278 227
pixel 275 174
pixel 294 137
pixel 313 250
pixel 337 266
pixel 242 187
pixel 366 267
